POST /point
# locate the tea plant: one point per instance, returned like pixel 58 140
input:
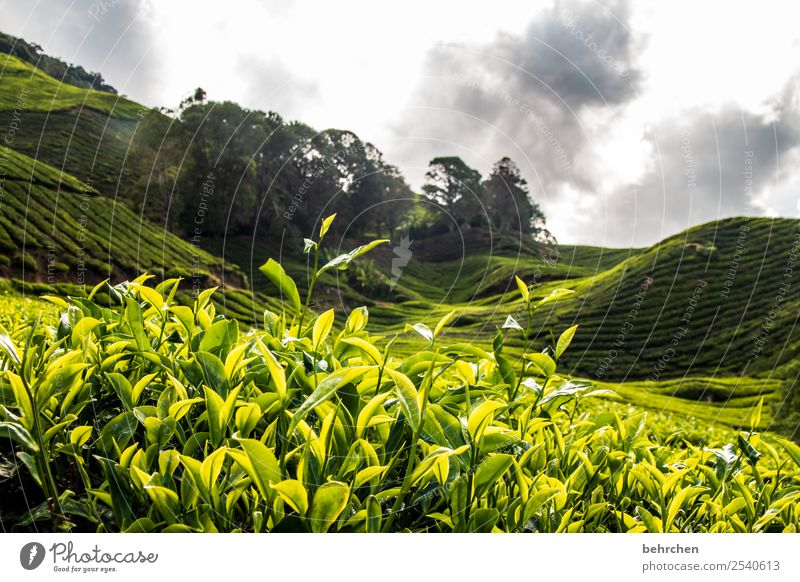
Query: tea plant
pixel 159 416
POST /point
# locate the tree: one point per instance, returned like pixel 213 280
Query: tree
pixel 509 202
pixel 150 176
pixel 456 188
pixel 219 176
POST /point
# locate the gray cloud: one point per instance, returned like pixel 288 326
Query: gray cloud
pixel 706 165
pixel 113 37
pixel 525 95
pixel 271 86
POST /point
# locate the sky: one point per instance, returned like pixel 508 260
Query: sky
pixel 631 121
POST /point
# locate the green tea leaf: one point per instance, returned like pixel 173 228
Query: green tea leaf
pixel 325 390
pixel 322 327
pixel 259 463
pixel 489 471
pixel 133 315
pixel 19 434
pixel 294 494
pixel 512 323
pixel 213 372
pixel 343 261
pixel 329 502
pixel 421 329
pixel 408 398
pixel 326 225
pixel 564 340
pixel 275 273
pixel 443 322
pixel 542 364
pixel 365 347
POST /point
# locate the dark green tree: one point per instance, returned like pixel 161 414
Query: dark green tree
pixel 224 170
pixel 509 202
pixel 456 188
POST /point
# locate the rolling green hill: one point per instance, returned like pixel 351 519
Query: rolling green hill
pixel 84 132
pixel 721 295
pixel 703 323
pixel 32 53
pixel 54 228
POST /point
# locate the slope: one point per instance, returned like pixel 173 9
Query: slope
pixel 84 132
pixel 55 228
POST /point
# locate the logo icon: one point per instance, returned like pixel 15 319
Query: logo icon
pixel 402 255
pixel 31 555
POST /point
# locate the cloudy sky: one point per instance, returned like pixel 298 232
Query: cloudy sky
pixel 630 120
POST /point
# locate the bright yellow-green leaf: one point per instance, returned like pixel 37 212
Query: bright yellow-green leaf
pixel 365 347
pixel 294 494
pixel 329 502
pixel 564 340
pixel 481 416
pixel 408 398
pixel 322 327
pixel 259 463
pixel 276 371
pixel 523 289
pixel 326 225
pixel 443 322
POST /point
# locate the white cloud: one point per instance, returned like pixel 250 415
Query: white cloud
pixel 386 71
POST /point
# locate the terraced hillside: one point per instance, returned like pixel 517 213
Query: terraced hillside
pixel 55 228
pixel 84 132
pixel 718 298
pixel 702 324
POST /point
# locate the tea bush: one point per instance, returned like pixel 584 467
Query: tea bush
pixel 161 416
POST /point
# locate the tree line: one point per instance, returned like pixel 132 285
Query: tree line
pixel 216 168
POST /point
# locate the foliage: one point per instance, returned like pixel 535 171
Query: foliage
pixel 159 416
pixel 509 203
pixel 457 189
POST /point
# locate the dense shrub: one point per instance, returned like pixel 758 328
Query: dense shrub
pixel 157 416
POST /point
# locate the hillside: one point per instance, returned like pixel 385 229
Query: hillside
pixel 713 288
pixel 703 323
pixel 55 228
pixel 84 132
pixel 32 54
